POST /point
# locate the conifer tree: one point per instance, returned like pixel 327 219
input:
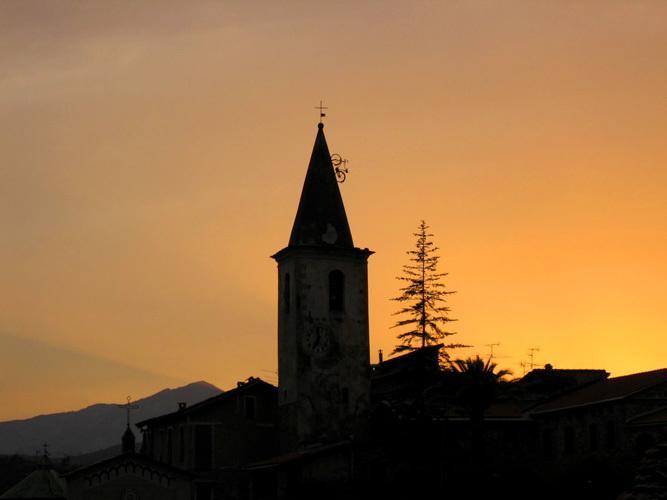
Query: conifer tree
pixel 423 298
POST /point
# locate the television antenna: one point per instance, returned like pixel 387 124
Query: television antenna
pixel 531 353
pixel 491 346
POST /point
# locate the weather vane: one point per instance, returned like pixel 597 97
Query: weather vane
pixel 340 167
pixel 339 163
pixel 321 107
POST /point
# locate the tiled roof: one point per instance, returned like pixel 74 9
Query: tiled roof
pixel 133 459
pixel 605 390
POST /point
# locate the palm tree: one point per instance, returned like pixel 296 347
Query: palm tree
pixel 478 385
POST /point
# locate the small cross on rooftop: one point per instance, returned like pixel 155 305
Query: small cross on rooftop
pixel 128 407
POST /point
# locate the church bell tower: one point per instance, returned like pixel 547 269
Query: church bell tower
pixel 323 352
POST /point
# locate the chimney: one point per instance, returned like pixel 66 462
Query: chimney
pixel 380 359
pixel 182 406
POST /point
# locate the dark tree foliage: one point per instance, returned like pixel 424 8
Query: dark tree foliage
pixel 479 382
pixel 423 298
pixel 478 385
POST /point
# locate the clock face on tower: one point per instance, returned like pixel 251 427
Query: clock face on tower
pixel 317 339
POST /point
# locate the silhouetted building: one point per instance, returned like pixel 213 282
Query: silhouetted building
pixel 214 438
pixel 339 427
pixel 398 380
pixel 233 428
pixel 42 483
pixel 619 416
pixel 541 383
pixel 129 476
pixel 323 346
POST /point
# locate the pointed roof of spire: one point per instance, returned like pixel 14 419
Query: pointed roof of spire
pixel 128 441
pixel 320 219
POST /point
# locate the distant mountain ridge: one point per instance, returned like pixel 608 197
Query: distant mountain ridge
pixel 95 427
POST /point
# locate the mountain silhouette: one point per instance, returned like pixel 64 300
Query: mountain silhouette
pixel 95 427
pixel 39 378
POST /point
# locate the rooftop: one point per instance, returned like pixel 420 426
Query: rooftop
pixel 40 484
pixel 251 383
pixel 610 389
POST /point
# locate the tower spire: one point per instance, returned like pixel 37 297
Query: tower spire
pixel 321 219
pixel 324 380
pixel 128 439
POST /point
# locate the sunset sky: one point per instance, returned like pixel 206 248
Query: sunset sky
pixel 153 153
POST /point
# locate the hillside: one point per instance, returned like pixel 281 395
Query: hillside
pixel 93 428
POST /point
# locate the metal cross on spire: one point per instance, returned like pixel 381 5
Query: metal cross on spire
pixel 321 107
pixel 129 407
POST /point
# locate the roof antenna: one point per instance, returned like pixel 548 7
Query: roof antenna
pixel 531 353
pixel 491 346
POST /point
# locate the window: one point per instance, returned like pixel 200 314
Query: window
pixel 593 437
pixel 286 293
pixel 336 290
pixel 249 407
pixel 203 447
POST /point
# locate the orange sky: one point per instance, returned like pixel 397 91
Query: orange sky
pixel 153 153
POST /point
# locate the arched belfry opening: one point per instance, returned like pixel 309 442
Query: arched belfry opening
pixel 336 291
